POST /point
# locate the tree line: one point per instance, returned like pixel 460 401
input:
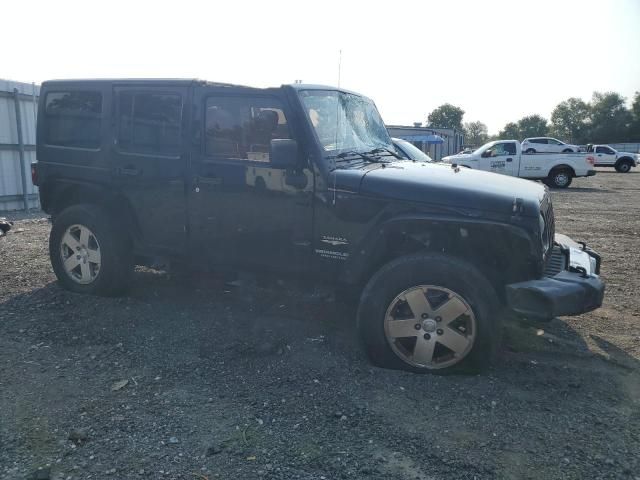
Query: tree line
pixel 604 119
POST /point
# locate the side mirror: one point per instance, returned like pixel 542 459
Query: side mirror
pixel 283 153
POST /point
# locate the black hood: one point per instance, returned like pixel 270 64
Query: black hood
pixel 440 184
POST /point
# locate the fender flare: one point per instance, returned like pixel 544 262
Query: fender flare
pixel 366 256
pixel 562 166
pixel 68 192
pixel 625 159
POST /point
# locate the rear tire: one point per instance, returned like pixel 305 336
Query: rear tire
pixel 624 166
pixel 88 253
pixel 559 178
pixel 460 311
pixel 530 150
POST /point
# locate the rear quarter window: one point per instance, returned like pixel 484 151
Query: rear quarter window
pixel 149 123
pixel 73 119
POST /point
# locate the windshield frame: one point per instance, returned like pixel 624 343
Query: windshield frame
pixel 486 146
pixel 333 153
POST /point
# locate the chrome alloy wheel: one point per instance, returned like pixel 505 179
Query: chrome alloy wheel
pixel 561 179
pixel 429 326
pixel 80 254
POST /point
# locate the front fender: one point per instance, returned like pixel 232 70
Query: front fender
pixel 405 234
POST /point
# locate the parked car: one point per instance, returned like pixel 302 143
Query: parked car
pixel 409 151
pixel 133 170
pixel 606 156
pixel 505 157
pixel 547 145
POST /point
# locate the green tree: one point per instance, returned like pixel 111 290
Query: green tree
pixel 532 126
pixel 570 121
pixel 610 118
pixel 510 132
pixel 634 129
pixel 475 133
pixel 446 116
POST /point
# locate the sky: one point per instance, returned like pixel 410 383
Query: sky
pixel 497 60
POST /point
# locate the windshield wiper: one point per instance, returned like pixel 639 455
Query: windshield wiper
pixel 383 149
pixel 366 156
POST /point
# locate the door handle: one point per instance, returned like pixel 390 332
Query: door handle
pixel 509 159
pixel 128 171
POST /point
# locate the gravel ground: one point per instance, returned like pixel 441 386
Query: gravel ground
pixel 206 380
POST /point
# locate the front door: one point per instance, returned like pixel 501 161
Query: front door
pixel 500 158
pixel 149 160
pixel 605 156
pixel 243 211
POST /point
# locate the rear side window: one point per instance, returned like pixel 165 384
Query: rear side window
pixel 542 141
pixel 149 123
pixel 510 148
pixel 242 127
pixel 73 119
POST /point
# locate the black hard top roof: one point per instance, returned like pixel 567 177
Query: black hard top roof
pixel 134 81
pixel 179 82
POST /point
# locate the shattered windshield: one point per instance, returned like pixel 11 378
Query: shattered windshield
pixel 344 121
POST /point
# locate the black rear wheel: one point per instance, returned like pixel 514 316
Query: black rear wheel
pixel 559 178
pixel 530 150
pixel 88 253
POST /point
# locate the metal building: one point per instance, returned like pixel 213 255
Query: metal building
pixel 453 139
pixel 18 110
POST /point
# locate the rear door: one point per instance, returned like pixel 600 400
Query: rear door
pixel 149 159
pixel 542 145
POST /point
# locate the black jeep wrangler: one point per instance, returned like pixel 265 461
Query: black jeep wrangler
pixel 300 180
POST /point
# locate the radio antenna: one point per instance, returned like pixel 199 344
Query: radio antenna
pixel 339 66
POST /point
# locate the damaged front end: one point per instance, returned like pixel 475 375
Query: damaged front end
pixel 571 284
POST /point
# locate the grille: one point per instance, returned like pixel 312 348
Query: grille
pixel 548 234
pixel 557 262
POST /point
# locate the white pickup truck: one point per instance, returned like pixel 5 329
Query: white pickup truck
pixel 505 156
pixel 605 156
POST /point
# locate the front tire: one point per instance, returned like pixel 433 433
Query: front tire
pixel 567 150
pixel 429 313
pixel 623 166
pixel 559 178
pixel 88 254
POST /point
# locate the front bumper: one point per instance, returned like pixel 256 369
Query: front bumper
pixel 576 288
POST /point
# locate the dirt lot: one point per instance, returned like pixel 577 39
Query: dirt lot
pixel 267 381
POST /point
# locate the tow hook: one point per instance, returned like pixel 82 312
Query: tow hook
pixel 581 270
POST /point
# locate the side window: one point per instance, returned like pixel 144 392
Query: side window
pixel 510 148
pixel 603 150
pixel 499 150
pixel 243 127
pixel 554 142
pixel 541 141
pixel 73 119
pixel 149 123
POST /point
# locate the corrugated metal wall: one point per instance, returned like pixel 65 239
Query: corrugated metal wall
pixel 626 147
pixel 11 192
